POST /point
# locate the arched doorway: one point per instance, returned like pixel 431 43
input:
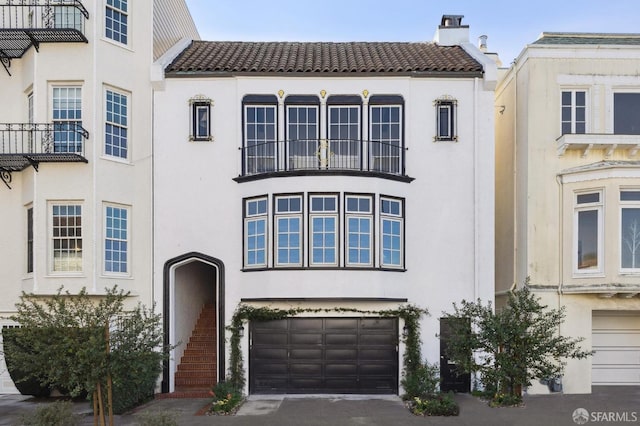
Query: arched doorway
pixel 190 282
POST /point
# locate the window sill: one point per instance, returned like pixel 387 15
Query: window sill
pixel 119 160
pixel 324 268
pixel 117 44
pixel 585 142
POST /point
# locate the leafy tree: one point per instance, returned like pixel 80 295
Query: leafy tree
pixel 514 346
pixel 85 344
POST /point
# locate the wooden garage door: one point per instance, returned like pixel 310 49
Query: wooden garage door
pixel 324 355
pixel 616 342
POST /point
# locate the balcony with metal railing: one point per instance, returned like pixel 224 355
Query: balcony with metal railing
pixel 26 23
pixel 29 144
pixel 323 156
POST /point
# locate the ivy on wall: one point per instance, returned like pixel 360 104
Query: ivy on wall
pixel 411 315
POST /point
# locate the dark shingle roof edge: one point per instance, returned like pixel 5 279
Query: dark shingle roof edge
pixel 561 38
pixel 223 58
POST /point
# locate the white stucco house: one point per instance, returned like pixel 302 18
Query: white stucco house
pixel 75 145
pixel 321 176
pixel 568 194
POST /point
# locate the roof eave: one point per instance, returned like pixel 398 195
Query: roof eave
pixel 281 74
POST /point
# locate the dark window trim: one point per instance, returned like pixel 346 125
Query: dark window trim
pixel 403 216
pixel 274 219
pixel 386 100
pixel 244 230
pixel 302 100
pixel 309 229
pixel 344 100
pixel 260 99
pixel 453 120
pixel 195 104
pixel 29 239
pixel 372 215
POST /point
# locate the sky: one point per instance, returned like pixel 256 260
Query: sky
pixel 509 25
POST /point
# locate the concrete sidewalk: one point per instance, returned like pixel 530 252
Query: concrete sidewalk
pixel 607 405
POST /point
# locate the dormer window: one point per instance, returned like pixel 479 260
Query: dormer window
pixel 200 119
pixel 446 120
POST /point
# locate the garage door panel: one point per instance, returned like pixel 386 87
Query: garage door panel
pixel 378 323
pixel 306 324
pixel 380 384
pixel 272 368
pixel 341 324
pixel 620 376
pixel 332 369
pixel 377 339
pixel 378 354
pixel 341 339
pixel 616 342
pixel 305 339
pixel 619 357
pixel 305 369
pixel 271 353
pixel 616 338
pixel 343 354
pixel 325 355
pixel 276 339
pixel 305 354
pixel 271 325
pixel 376 369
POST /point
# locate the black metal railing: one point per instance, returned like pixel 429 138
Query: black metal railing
pixel 43 14
pixel 323 154
pixel 62 137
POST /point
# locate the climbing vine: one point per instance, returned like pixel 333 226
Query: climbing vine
pixel 411 315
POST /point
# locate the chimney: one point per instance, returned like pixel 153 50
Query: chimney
pixel 482 43
pixel 451 32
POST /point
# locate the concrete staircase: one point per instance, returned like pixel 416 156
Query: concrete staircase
pixel 196 373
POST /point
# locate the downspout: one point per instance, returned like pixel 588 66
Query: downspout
pixel 476 226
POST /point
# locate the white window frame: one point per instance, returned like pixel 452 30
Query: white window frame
pixel 358 214
pixel 54 144
pixel 583 207
pixel 52 238
pixel 627 204
pixel 116 124
pixel 122 12
pixel 324 213
pixel 392 218
pixel 249 218
pixel 126 240
pixel 573 120
pixel 287 214
pixel 617 91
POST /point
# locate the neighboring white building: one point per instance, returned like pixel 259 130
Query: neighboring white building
pixel 568 194
pixel 75 144
pixel 323 175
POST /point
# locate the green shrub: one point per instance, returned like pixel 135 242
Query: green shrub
pixel 441 404
pixel 157 418
pixel 422 382
pixel 226 398
pixel 59 413
pixel 505 400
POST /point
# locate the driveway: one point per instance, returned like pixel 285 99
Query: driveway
pixel 608 405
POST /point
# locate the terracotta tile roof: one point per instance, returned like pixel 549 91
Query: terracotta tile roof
pixel 322 58
pixel 589 38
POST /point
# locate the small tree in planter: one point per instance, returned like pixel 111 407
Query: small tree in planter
pixel 88 345
pixel 518 344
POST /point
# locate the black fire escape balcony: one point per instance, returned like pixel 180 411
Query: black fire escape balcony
pixel 29 144
pixel 26 23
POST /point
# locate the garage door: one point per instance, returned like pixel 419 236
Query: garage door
pixel 324 355
pixel 616 342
